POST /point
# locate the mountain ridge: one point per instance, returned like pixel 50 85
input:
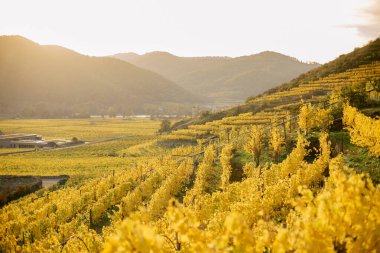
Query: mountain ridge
pixel 52 80
pixel 221 77
pixel 368 54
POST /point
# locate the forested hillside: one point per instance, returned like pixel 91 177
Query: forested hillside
pixel 52 81
pixel 359 67
pixel 222 78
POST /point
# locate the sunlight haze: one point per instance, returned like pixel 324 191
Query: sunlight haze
pixel 195 28
pixel 189 126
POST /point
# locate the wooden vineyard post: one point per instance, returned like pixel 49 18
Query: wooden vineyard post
pixel 113 177
pixel 177 242
pixel 195 166
pixel 217 143
pixel 90 217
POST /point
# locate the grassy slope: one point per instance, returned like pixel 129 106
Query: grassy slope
pixel 88 161
pixel 83 129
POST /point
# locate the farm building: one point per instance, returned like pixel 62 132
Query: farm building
pixel 22 141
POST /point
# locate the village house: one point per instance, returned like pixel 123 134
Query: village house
pixel 22 141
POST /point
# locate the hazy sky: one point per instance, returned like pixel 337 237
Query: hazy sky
pixel 310 30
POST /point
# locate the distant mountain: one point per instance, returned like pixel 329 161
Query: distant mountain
pixel 52 81
pixel 222 78
pixel 350 62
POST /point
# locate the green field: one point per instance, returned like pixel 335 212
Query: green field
pixel 88 160
pixel 83 129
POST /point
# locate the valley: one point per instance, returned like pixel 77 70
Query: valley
pixel 293 169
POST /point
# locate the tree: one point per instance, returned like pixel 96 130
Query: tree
pixel 323 118
pixel 225 160
pixel 255 143
pixel 357 97
pixel 306 117
pixel 276 141
pixel 205 114
pixel 165 126
pixel 111 111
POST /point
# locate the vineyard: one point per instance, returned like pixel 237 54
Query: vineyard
pixel 279 180
pixel 83 129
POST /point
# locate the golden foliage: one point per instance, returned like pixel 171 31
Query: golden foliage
pixel 364 131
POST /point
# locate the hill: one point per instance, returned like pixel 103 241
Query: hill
pixel 292 177
pixel 222 78
pixel 358 68
pixel 247 183
pixel 360 56
pixel 52 81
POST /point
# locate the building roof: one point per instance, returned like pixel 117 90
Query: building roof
pixel 9 137
pixel 30 142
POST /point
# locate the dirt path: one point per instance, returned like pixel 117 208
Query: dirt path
pixel 48 181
